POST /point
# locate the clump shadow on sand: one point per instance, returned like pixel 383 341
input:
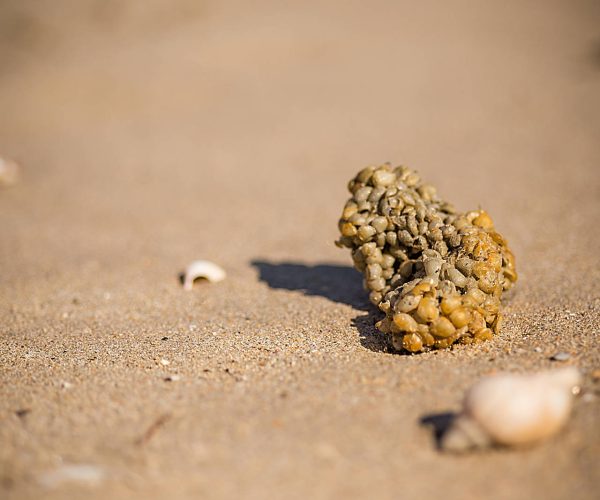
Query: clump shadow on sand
pixel 337 283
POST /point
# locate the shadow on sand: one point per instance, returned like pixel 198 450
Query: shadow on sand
pixel 341 284
pixel 439 423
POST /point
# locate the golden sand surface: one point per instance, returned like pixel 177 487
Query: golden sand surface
pixel 154 133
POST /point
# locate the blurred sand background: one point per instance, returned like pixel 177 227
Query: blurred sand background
pixel 154 133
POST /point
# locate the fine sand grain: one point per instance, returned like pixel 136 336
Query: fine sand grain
pixel 150 137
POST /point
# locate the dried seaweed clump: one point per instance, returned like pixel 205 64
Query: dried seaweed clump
pixel 438 275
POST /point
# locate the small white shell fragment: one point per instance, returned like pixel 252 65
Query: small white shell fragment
pixel 87 474
pixel 561 356
pixel 513 410
pixel 202 269
pixel 9 172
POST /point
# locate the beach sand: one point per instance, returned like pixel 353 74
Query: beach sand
pixel 150 137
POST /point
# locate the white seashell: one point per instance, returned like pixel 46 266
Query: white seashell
pixel 202 269
pixel 513 410
pixel 9 172
pixel 87 474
